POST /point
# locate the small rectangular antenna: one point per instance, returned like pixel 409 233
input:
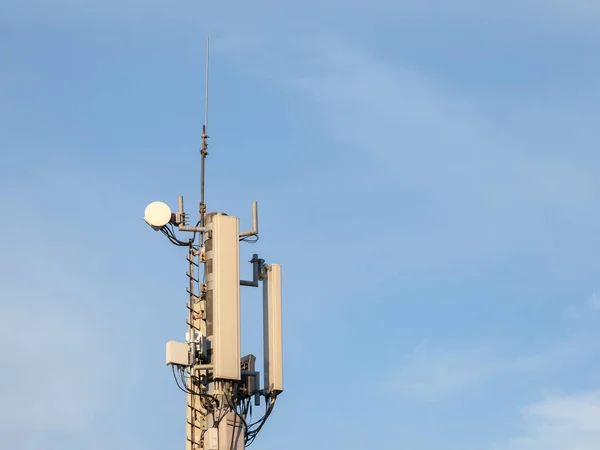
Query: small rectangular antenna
pixel 273 353
pixel 223 295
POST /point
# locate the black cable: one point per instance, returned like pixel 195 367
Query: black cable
pixel 233 430
pixel 183 243
pixel 250 239
pixel 201 394
pixel 233 407
pixel 194 235
pixel 210 397
pixel 246 407
pixel 187 391
pixel 251 436
pixel 183 382
pixel 177 382
pixel 249 433
pixel 169 231
pixel 268 410
pixel 169 234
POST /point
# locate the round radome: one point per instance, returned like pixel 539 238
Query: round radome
pixel 157 214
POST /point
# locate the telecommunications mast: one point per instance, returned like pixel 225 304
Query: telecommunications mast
pixel 220 385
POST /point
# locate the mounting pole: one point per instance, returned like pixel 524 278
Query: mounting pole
pixel 204 148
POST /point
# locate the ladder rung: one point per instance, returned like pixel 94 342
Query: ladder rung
pixel 191 277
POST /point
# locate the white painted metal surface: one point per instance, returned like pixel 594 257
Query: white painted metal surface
pixel 211 439
pixel 231 433
pixel 223 290
pixel 177 353
pixel 273 354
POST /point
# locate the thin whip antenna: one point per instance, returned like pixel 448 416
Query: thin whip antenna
pixel 206 90
pixel 203 150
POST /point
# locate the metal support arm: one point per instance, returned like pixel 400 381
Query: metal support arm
pixel 257 265
pixel 192 229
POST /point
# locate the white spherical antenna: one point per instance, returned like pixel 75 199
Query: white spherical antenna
pixel 157 215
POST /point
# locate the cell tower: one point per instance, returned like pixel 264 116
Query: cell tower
pixel 220 385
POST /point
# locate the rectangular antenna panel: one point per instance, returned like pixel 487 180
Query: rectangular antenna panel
pixel 223 295
pixel 231 432
pixel 273 353
pixel 177 353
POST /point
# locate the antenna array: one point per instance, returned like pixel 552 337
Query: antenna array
pixel 220 385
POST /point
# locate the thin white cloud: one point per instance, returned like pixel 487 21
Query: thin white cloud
pixel 433 373
pixel 486 192
pixel 429 374
pixel 554 357
pixel 559 423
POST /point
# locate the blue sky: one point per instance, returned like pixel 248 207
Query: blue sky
pixel 427 175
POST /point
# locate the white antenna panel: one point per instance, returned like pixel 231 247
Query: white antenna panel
pixel 223 295
pixel 273 352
